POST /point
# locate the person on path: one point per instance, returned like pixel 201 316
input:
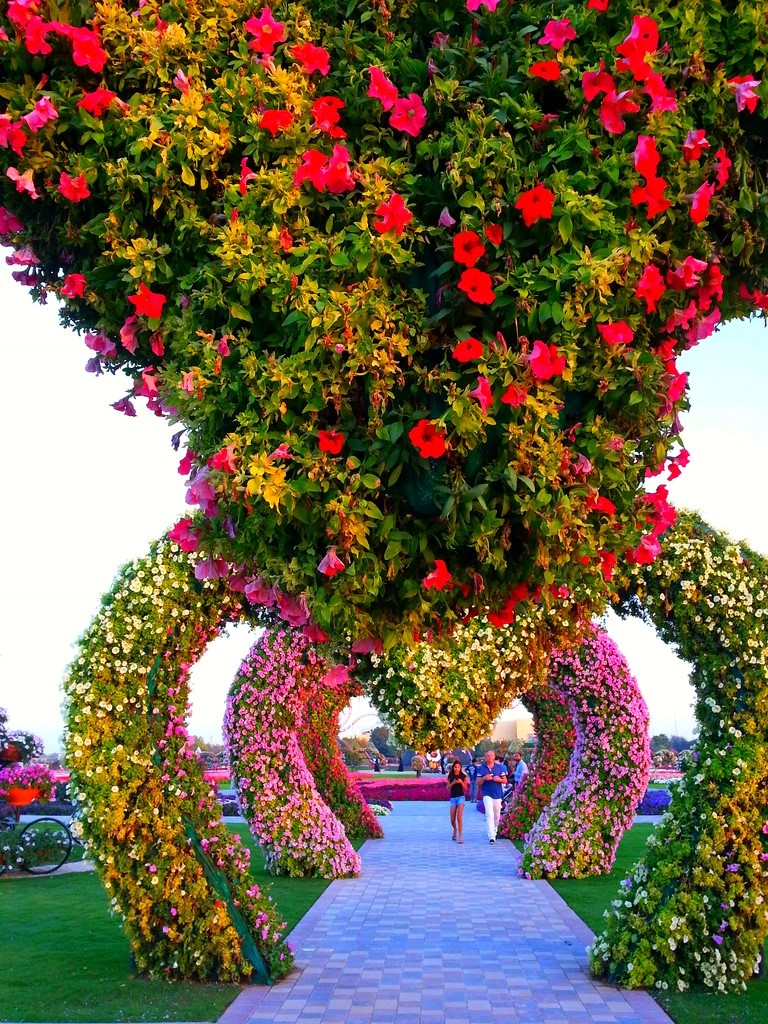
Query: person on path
pixel 521 769
pixel 491 778
pixel 472 775
pixel 457 783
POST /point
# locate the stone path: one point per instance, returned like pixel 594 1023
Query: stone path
pixel 440 933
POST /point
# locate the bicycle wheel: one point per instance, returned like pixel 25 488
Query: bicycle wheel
pixel 46 843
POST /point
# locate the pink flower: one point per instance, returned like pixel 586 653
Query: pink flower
pixel 409 114
pixel 24 182
pixel 331 564
pixel 700 202
pixel 475 5
pixel 312 58
pixel 181 82
pixel 74 286
pixel 558 33
pixel 439 578
pixel 43 112
pixel 382 89
pixel 744 87
pixel 266 31
pixel 483 394
pixel 617 333
pixel 74 189
pixel 546 361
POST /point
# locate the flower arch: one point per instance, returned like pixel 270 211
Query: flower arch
pixel 555 734
pixel 694 910
pixel 175 874
pixel 266 709
pixel 592 807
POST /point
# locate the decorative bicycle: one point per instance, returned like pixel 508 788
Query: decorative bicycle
pixel 39 846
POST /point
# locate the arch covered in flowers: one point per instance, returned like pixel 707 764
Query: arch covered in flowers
pixel 555 734
pixel 175 874
pixel 414 280
pixel 592 807
pixel 298 832
pixel 694 910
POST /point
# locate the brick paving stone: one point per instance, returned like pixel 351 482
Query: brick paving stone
pixel 435 933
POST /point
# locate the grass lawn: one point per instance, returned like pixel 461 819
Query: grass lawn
pixel 66 959
pixel 589 897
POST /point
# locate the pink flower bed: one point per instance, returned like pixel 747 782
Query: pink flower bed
pixel 403 789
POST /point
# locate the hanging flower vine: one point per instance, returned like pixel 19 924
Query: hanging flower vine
pixel 151 823
pixel 693 911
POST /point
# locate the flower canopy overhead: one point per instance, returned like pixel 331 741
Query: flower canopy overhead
pixel 412 278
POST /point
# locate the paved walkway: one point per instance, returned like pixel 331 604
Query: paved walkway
pixel 438 933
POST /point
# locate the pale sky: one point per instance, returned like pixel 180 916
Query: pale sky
pixel 86 489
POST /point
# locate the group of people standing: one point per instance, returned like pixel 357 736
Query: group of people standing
pixel 489 780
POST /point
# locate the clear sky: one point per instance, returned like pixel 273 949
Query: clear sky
pixel 85 489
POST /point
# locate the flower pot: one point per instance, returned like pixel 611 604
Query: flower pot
pixel 17 796
pixel 10 752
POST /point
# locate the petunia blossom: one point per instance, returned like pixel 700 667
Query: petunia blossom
pixel 652 193
pixel 744 88
pixel 483 393
pixel 428 439
pixel 557 33
pixel 275 121
pixel 646 156
pixel 312 58
pixel 409 114
pixel 614 107
pixel 548 70
pixel 73 286
pixel 97 101
pixel 266 32
pixel 381 88
pixel 394 215
pixel 478 286
pixel 515 395
pixel 475 5
pixel 695 144
pixel 494 233
pixel 546 361
pixel 536 204
pixel 42 112
pixel 700 201
pixel 439 578
pixel 128 333
pixel 24 182
pixel 338 176
pixel 468 248
pixel 593 83
pixel 74 189
pixel 468 350
pixel 650 287
pixel 331 441
pixel 616 333
pixel 331 564
pixel 326 114
pixel 148 303
pixel 9 223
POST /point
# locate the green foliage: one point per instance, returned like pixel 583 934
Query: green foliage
pixel 289 313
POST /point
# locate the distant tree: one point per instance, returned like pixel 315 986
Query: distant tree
pixel 381 739
pixel 659 742
pixel 679 743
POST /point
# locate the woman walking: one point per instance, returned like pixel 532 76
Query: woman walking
pixel 457 783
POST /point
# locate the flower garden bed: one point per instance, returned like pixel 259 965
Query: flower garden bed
pixel 403 789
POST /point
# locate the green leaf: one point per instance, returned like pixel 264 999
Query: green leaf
pixel 565 227
pixel 186 175
pixel 240 312
pixel 370 480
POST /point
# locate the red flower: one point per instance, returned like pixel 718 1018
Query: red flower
pixel 97 102
pixel 643 39
pixel 330 441
pixel 285 240
pixel 494 234
pixel 483 394
pixel 382 89
pixel 687 275
pixel 595 82
pixel 702 197
pixel 245 176
pixel 331 563
pixel 612 109
pixel 558 33
pixel 467 248
pixel 394 215
pixel 652 194
pixel 695 143
pixel 618 333
pixel 338 175
pixel 468 350
pixel 477 286
pixel 73 188
pixel 536 204
pixel 312 169
pixel 662 98
pixel 439 578
pixel 598 5
pixel 74 286
pixel 647 551
pixel 721 168
pixel 147 303
pixel 549 70
pixel 646 156
pixel 429 441
pixel 225 459
pixel 276 121
pixel 505 615
pixel 325 114
pixel 597 503
pixel 650 287
pixel 312 58
pixel 86 48
pixel 515 395
pixel 409 114
pixel 744 87
pixel 266 31
pixel 546 361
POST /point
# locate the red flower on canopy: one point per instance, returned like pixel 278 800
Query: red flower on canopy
pixel 468 350
pixel 647 551
pixel 744 87
pixel 12 134
pixel 650 287
pixel 147 303
pixel 266 31
pixel 312 169
pixel 86 48
pixel 394 215
pixel 74 286
pixel 429 441
pixel 325 116
pixel 382 89
pixel 467 248
pixel 646 156
pixel 617 333
pixel 721 167
pixel 331 441
pixel 612 109
pixel 477 285
pixel 275 121
pixel 312 58
pixel 338 176
pixel 598 5
pixel 184 535
pixel 224 459
pixel 483 394
pixel 439 578
pixel 546 361
pixel 515 395
pixel 549 70
pixel 701 199
pixel 536 204
pixel 409 114
pixel 331 563
pixel 652 194
pixel 662 98
pixel 75 189
pixel 494 233
pixel 695 143
pixel 595 82
pixel 558 33
pixel 643 39
pixel 97 101
pixel 688 273
pixel 597 503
